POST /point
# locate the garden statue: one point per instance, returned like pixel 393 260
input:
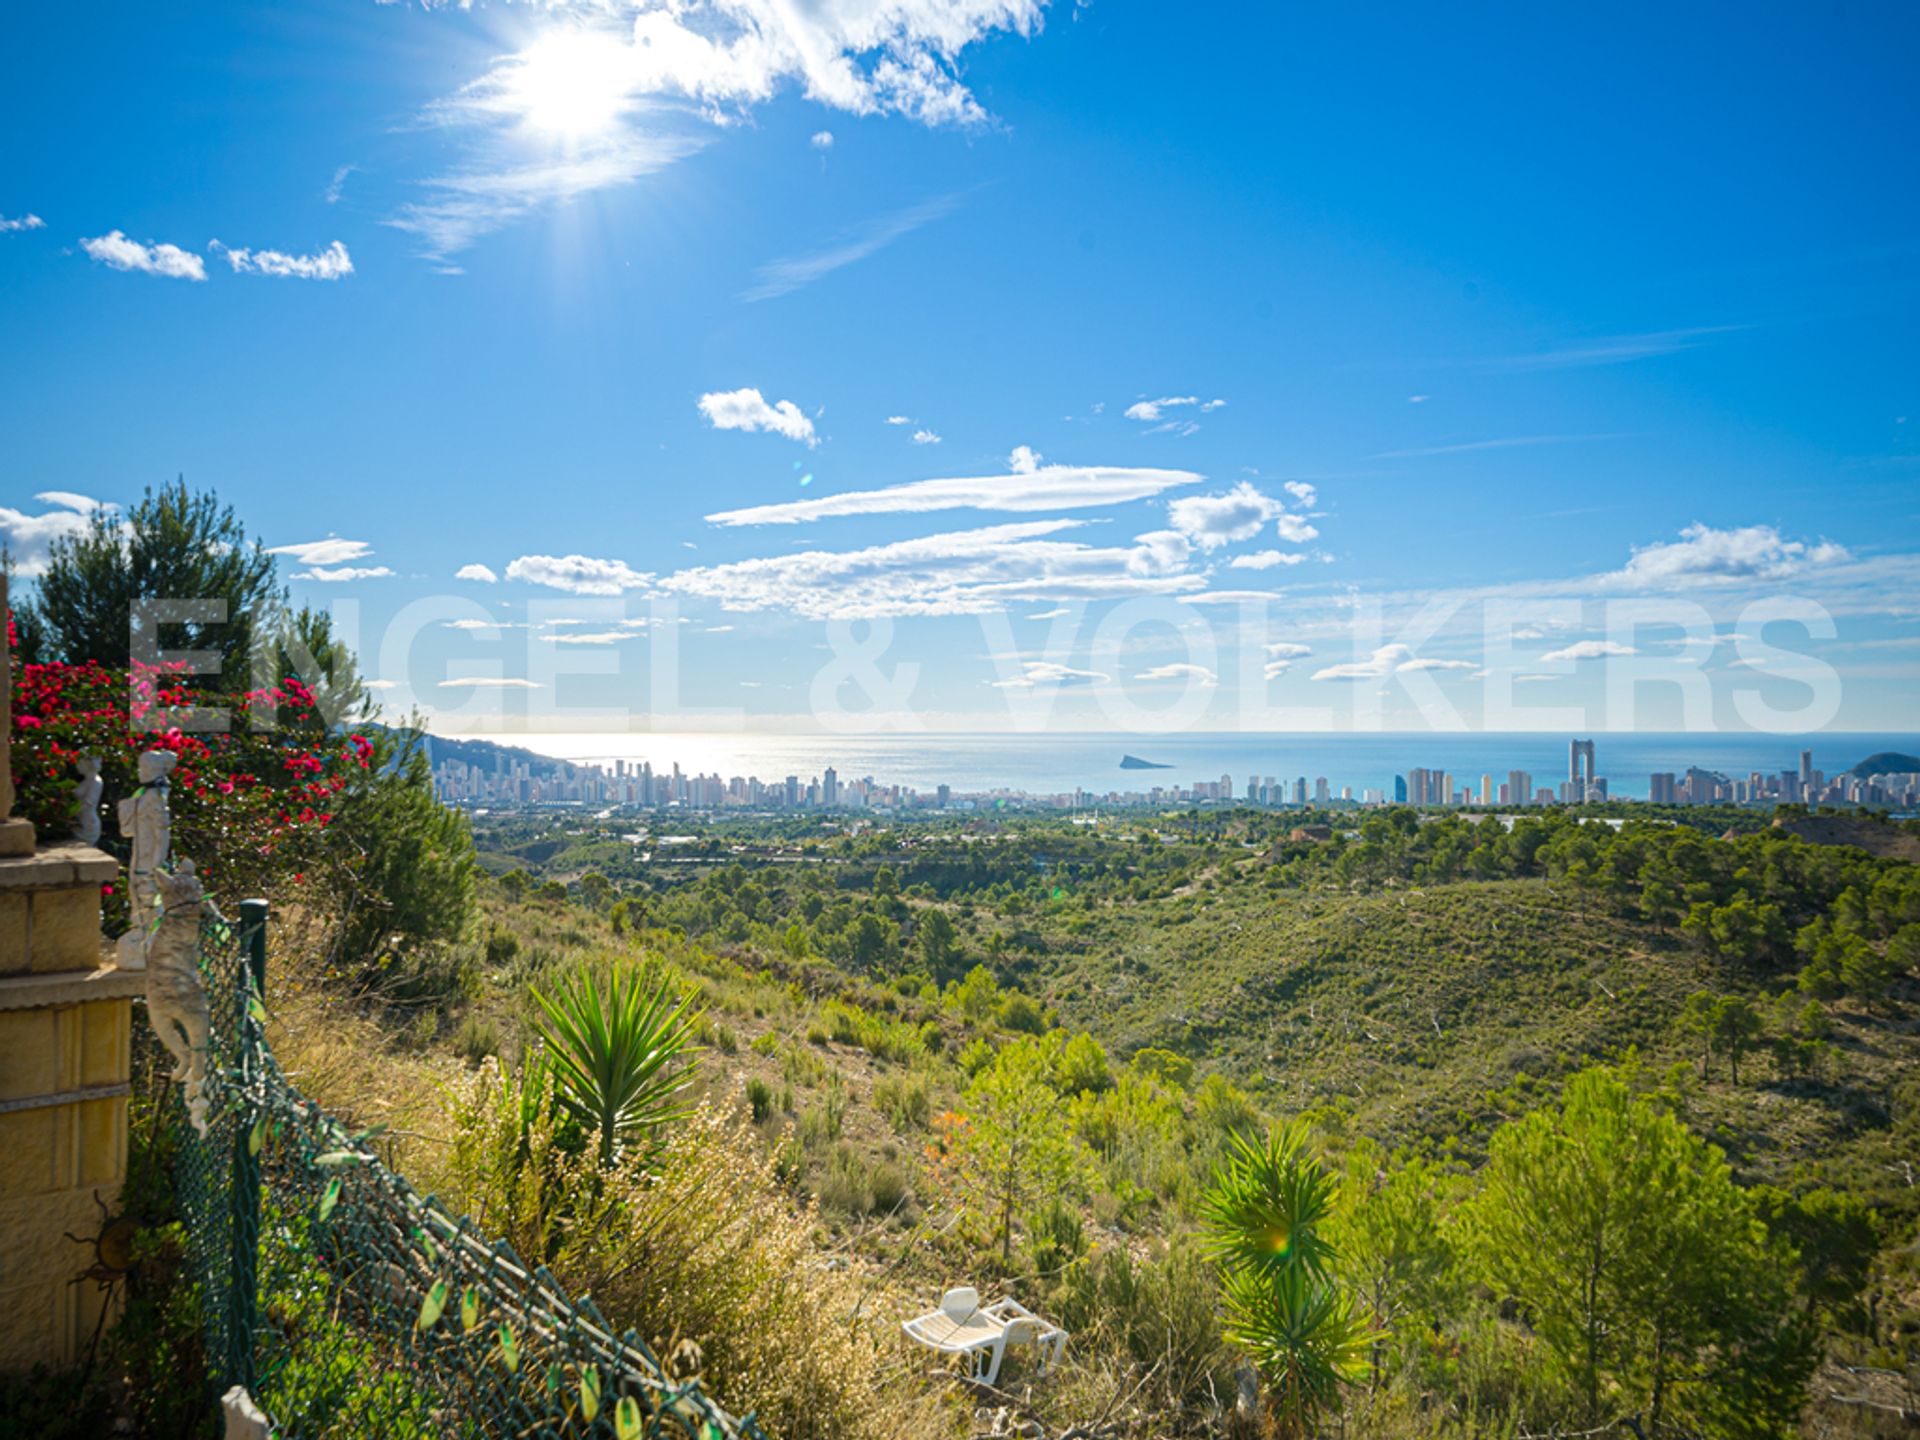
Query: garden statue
pixel 86 795
pixel 176 997
pixel 145 821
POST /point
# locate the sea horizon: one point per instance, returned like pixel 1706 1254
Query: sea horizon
pixel 1062 762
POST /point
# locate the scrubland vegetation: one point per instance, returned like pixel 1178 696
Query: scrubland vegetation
pixel 1428 1128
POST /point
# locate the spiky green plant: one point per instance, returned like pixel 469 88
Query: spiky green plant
pixel 1263 1218
pixel 619 1052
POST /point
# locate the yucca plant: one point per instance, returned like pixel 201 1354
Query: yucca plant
pixel 619 1052
pixel 1263 1216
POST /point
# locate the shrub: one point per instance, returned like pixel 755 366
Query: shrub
pixel 906 1100
pixel 704 1247
pixel 759 1099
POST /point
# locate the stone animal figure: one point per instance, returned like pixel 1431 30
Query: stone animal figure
pixel 146 821
pixel 176 997
pixel 86 797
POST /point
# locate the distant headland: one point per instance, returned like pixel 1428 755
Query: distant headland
pixel 1134 762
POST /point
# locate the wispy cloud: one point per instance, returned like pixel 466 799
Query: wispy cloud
pixel 794 272
pixel 117 252
pixel 1507 442
pixel 1045 487
pixel 1387 660
pixel 337 186
pixel 1612 349
pixel 332 263
pixel 25 222
pixel 1588 650
pixel 1181 670
pixel 495 190
pixel 967 572
pixel 331 551
pixel 339 575
pixel 1036 673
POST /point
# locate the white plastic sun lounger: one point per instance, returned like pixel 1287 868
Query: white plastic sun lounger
pixel 962 1326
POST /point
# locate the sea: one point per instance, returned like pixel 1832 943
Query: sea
pixel 1053 764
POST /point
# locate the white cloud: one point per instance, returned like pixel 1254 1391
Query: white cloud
pixel 29 538
pixel 1265 559
pixel 1180 670
pixel 925 437
pixel 85 504
pixel 489 682
pixel 1589 650
pixel 1024 460
pixel 578 574
pixel 337 186
pixel 118 252
pixel 1047 672
pixel 501 186
pixel 483 573
pixel 794 272
pixel 968 572
pixel 1288 648
pixel 1301 491
pixel 596 637
pixel 488 625
pixel 343 573
pixel 1211 521
pixel 1210 406
pixel 822 140
pixel 1150 410
pixel 630 89
pixel 719 630
pixel 1053 614
pixel 1387 660
pixel 747 409
pixel 330 264
pixel 25 222
pixel 1613 349
pixel 1706 556
pixel 1045 487
pixel 1274 669
pixel 379 684
pixel 324 552
pixel 900 420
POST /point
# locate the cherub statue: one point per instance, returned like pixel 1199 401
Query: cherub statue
pixel 86 795
pixel 147 822
pixel 176 997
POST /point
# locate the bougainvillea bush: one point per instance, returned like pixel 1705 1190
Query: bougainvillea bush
pixel 251 801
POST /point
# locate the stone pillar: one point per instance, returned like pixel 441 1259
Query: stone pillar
pixel 65 1042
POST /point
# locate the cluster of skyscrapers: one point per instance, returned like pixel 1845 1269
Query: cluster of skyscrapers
pixel 514 779
pixel 511 783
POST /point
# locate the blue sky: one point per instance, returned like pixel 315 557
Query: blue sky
pixel 1302 367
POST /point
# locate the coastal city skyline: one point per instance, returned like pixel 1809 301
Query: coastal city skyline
pixel 491 776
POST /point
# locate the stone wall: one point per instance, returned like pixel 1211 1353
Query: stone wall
pixel 65 1035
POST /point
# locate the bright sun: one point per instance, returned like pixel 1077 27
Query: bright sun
pixel 572 83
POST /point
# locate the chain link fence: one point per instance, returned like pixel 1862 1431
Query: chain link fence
pixel 353 1308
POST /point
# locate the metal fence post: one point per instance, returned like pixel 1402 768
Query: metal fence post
pixel 245 1292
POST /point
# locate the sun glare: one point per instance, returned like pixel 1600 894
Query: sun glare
pixel 572 83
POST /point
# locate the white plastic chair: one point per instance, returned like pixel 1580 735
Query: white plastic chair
pixel 961 1326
